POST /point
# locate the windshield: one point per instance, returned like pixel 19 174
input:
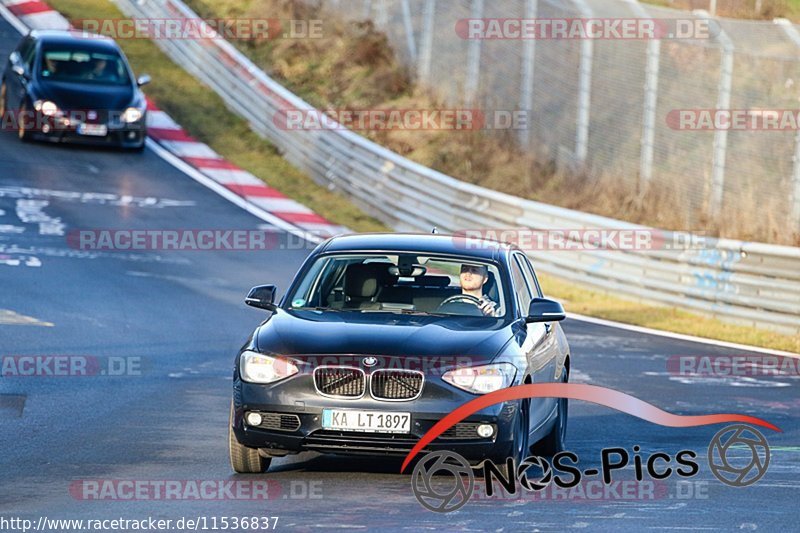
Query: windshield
pixel 83 66
pixel 402 283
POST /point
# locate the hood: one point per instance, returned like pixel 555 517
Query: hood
pixel 80 96
pixel 316 333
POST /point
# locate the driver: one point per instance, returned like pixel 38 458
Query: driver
pixel 473 278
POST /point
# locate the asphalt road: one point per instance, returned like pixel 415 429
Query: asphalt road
pixel 179 317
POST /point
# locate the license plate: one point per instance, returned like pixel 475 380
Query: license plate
pixel 372 421
pixel 93 130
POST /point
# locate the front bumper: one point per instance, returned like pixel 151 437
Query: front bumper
pixel 119 134
pixel 303 431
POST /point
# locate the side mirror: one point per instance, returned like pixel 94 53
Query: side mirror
pixel 19 71
pixel 143 80
pixel 544 310
pixel 262 297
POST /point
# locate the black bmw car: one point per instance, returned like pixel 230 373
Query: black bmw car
pixel 64 86
pixel 380 336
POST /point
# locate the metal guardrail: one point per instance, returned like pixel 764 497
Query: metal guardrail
pixel 748 283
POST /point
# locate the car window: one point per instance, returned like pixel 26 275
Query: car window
pixel 524 293
pixel 399 283
pixel 530 275
pixel 27 52
pixel 83 66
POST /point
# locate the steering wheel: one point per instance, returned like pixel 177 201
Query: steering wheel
pixel 468 298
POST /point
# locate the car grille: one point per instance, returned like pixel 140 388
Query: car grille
pixel 279 422
pixel 340 381
pixel 396 384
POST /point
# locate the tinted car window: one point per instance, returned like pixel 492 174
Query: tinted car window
pixel 83 66
pixel 530 275
pixel 398 283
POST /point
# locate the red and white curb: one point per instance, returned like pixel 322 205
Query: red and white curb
pixel 36 14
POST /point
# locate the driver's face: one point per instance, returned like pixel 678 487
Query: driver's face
pixel 472 277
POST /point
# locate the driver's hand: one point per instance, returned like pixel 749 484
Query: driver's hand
pixel 487 307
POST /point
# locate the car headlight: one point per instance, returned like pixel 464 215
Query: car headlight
pixel 132 114
pixel 259 368
pixel 46 108
pixel 482 379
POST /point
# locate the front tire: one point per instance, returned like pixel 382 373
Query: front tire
pixel 244 460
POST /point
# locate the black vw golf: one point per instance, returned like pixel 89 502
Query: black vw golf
pixel 380 336
pixel 65 86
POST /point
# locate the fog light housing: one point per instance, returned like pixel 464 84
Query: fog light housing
pixel 485 431
pixel 254 419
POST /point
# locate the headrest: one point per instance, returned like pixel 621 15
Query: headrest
pixel 361 280
pixel 490 288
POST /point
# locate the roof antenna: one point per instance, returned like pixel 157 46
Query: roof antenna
pixel 435 231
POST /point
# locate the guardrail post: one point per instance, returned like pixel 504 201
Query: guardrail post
pixel 651 72
pixel 794 220
pixel 584 90
pixel 426 41
pixel 526 89
pixel 721 134
pixel 408 27
pixel 472 83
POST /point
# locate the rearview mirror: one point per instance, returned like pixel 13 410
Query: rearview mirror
pixel 143 80
pixel 262 297
pixel 544 310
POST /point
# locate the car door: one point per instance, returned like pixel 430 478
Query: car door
pixel 537 344
pixel 541 343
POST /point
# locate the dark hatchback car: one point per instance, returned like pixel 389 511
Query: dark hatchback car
pixel 64 86
pixel 381 335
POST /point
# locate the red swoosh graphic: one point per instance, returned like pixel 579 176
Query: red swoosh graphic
pixel 588 393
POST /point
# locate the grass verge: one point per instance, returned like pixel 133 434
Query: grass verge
pixel 202 113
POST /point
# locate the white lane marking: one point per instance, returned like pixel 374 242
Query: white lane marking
pixel 32 212
pixel 8 228
pixel 191 149
pixel 160 120
pixel 51 20
pixel 228 194
pixel 679 336
pixel 20 260
pixel 10 318
pixel 281 205
pixel 101 198
pixel 232 177
pixel 726 381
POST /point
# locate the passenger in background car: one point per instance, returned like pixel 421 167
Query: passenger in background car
pixel 473 278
